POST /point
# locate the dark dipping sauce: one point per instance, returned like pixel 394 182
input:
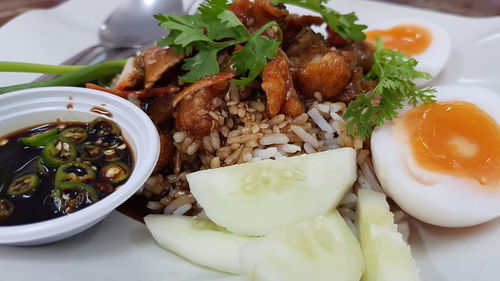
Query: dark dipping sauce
pixel 51 170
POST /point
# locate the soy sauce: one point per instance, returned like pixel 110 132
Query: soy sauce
pixel 18 159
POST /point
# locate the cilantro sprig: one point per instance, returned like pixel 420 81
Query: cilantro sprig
pixel 395 72
pixel 215 28
pixel 344 24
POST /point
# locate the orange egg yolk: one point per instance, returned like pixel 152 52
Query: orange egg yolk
pixel 407 38
pixel 454 138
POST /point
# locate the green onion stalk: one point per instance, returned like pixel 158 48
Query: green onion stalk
pixel 71 75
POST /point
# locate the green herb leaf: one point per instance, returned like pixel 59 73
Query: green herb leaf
pixel 216 28
pixel 203 64
pixel 345 25
pixel 182 31
pixel 212 8
pixel 395 72
pixel 231 21
pixel 212 30
pixel 252 59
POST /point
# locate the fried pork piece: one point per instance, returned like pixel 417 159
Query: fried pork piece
pixel 167 152
pixel 132 74
pixel 193 113
pixel 161 109
pixel 194 102
pixel 295 23
pixel 328 75
pixel 334 39
pixel 362 54
pixel 281 95
pixel 147 68
pixel 318 68
pixel 254 14
pixel 157 61
pixel 355 87
pixel 307 46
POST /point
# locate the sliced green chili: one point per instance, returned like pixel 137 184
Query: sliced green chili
pixel 68 204
pixel 6 209
pixel 40 139
pixel 90 152
pixel 104 127
pixel 111 155
pixel 92 193
pixel 75 134
pixel 75 172
pixel 23 185
pixel 58 151
pixel 40 167
pixel 57 198
pixel 115 172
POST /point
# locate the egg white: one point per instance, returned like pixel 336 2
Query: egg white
pixel 435 198
pixel 434 58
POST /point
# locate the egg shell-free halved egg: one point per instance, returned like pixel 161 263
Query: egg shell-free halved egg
pixel 433 59
pixel 437 198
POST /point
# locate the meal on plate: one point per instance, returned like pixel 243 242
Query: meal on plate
pixel 55 169
pixel 282 134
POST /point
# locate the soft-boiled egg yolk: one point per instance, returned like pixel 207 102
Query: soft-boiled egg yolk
pixel 408 38
pixel 427 42
pixel 440 162
pixel 454 138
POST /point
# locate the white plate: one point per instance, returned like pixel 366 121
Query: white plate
pixel 120 248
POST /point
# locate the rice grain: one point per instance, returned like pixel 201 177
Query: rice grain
pixel 301 119
pixel 309 148
pixel 276 138
pixel 207 144
pixel 233 157
pixel 192 148
pixel 215 140
pixel 305 136
pixel 215 163
pixel 290 148
pixel 319 120
pixel 265 153
pixel 277 119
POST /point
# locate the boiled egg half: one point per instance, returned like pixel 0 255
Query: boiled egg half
pixel 427 42
pixel 440 162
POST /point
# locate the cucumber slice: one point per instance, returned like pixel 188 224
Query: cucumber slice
pixel 259 197
pixel 198 240
pixel 387 256
pixel 321 249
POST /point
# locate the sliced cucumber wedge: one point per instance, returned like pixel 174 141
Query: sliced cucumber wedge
pixel 198 240
pixel 321 249
pixel 259 197
pixel 387 256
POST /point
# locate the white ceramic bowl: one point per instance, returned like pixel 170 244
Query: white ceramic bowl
pixel 26 108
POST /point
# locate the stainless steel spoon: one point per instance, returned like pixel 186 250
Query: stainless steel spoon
pixel 130 26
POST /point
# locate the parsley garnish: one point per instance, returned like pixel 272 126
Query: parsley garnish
pixel 395 72
pixel 344 24
pixel 212 30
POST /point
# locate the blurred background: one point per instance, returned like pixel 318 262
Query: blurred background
pixel 474 8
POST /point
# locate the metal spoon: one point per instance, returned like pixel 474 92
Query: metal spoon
pixel 130 26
